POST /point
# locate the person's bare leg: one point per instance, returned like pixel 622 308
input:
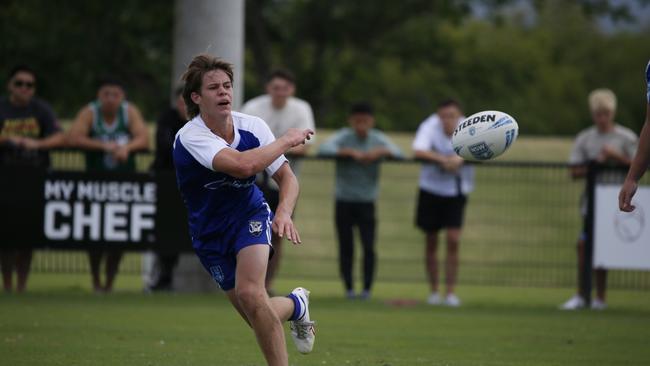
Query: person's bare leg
pixel 113 259
pixel 283 306
pixel 95 260
pixel 451 263
pixel 251 296
pixel 23 264
pixel 601 284
pixel 431 259
pixel 7 260
pixel 274 263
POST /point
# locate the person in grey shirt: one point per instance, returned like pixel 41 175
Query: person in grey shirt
pixel 606 142
pixel 359 150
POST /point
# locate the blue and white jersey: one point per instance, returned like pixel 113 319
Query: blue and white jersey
pixel 647 80
pixel 218 203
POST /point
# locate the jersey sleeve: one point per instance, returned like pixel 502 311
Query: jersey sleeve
pixel 423 136
pixel 203 146
pixel 577 155
pixel 264 134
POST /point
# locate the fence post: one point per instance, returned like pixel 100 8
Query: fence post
pixel 588 260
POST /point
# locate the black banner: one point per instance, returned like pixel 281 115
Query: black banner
pixel 81 210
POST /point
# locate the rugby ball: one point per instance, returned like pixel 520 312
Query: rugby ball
pixel 484 135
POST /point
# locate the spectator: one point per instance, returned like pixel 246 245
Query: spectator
pixel 28 128
pixel 445 183
pixel 281 111
pixel 360 148
pixel 110 129
pixel 605 142
pixel 168 124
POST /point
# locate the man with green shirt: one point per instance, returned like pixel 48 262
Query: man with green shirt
pixel 359 149
pixel 110 130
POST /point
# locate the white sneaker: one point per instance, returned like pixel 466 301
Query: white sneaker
pixel 575 302
pixel 302 330
pixel 434 299
pixel 452 301
pixel 597 304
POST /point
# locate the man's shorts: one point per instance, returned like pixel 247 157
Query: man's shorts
pixel 219 256
pixel 435 212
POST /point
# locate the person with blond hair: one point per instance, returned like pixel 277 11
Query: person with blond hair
pixel 606 142
pixel 217 155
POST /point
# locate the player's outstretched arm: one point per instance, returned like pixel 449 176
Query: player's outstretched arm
pixel 289 190
pixel 244 164
pixel 637 169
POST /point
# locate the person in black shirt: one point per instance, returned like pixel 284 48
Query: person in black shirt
pixel 168 124
pixel 28 128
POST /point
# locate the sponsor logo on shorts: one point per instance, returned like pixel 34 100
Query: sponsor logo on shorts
pixel 217 274
pixel 255 227
pixel 480 151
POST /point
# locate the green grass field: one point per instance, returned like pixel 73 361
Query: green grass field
pixel 61 323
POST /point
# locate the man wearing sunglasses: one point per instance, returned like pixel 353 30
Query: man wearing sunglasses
pixel 28 128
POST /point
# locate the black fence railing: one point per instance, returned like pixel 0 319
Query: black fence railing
pixel 522 224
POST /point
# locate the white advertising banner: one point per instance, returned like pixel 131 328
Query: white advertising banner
pixel 621 239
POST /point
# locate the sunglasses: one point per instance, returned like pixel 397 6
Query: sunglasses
pixel 23 83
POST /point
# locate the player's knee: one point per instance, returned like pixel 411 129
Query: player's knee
pixel 249 297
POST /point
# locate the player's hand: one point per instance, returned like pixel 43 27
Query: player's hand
pixel 295 136
pixel 625 196
pixel 121 153
pixel 283 226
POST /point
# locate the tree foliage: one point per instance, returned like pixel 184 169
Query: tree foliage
pixel 403 57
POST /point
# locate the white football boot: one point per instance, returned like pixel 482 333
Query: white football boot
pixel 302 330
pixel 574 303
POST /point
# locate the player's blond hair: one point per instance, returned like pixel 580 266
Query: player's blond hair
pixel 193 78
pixel 602 99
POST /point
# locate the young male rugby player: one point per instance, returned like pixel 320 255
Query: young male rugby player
pixel 641 160
pixel 217 155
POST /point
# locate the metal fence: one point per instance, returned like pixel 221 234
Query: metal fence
pixel 522 223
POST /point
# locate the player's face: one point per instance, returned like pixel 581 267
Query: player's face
pixel 603 118
pixel 450 116
pixel 22 87
pixel 110 97
pixel 280 90
pixel 215 99
pixel 361 123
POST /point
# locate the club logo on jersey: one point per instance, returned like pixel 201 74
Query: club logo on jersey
pixel 255 227
pixel 480 151
pixel 217 274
